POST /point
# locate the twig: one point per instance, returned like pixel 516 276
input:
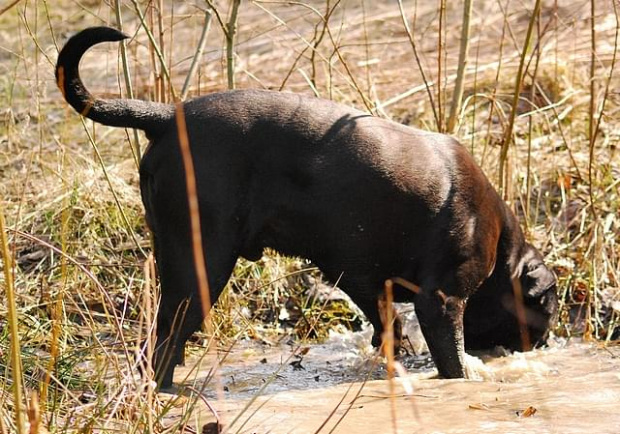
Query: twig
pixel 158 52
pixel 198 55
pixel 217 16
pixel 317 41
pixel 363 97
pixel 231 27
pixel 9 6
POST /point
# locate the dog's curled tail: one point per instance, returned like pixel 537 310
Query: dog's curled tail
pixel 150 117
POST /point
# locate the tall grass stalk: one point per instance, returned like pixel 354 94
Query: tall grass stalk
pixel 595 116
pixel 441 50
pixel 610 74
pixel 198 54
pixel 318 38
pixel 309 45
pixel 136 151
pixel 474 100
pixel 388 347
pixel 199 253
pixel 494 106
pixel 160 28
pixel 369 87
pixel 592 104
pixel 157 90
pixel 427 83
pixel 34 414
pixel 507 139
pixel 121 210
pixel 154 45
pixel 194 213
pixel 231 31
pixel 528 163
pixel 9 6
pixel 590 329
pixel 56 311
pixel 457 96
pixel 594 120
pixel 16 363
pixel 364 99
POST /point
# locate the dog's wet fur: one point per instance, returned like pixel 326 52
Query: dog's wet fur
pixel 365 198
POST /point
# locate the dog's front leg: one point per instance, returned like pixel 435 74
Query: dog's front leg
pixel 387 313
pixel 441 322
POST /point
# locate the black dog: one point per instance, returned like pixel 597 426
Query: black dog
pixel 365 198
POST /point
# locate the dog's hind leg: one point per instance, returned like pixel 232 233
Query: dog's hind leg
pixel 373 304
pixel 387 313
pixel 180 308
pixel 177 319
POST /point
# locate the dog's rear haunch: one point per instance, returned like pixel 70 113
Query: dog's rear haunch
pixel 364 198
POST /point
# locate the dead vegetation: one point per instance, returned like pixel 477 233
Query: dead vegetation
pixel 74 227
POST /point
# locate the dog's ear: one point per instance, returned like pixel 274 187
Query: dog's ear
pixel 538 279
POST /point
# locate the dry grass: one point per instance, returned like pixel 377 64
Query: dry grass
pixel 70 189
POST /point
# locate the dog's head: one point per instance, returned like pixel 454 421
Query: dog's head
pixel 540 297
pixel 509 299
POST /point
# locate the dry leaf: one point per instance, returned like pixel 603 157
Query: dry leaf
pixel 529 411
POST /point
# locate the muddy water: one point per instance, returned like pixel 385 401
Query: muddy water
pixel 340 387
